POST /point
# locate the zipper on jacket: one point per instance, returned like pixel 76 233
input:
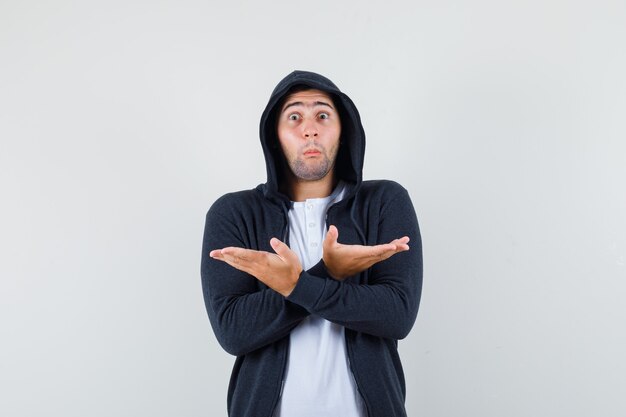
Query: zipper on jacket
pixel 356 380
pixel 282 379
pixel 285 239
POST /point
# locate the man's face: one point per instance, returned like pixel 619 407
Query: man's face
pixel 308 132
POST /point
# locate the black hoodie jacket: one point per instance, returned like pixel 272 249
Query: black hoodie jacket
pixel 377 307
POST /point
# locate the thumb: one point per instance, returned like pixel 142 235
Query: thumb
pixel 279 247
pixel 331 236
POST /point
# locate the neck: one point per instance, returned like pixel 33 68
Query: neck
pixel 299 190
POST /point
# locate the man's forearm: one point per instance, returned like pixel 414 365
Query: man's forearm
pixel 385 309
pixel 243 315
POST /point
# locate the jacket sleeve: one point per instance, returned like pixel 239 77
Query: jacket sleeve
pixel 387 305
pixel 243 316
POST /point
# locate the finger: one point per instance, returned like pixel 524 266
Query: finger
pixel 385 251
pixel 390 249
pixel 280 248
pixel 285 254
pixel 235 259
pixel 241 252
pixel 244 257
pixel 403 240
pixel 227 255
pixel 234 254
pixel 401 244
pixel 217 253
pixel 231 253
pixel 376 252
pixel 331 236
pixel 241 267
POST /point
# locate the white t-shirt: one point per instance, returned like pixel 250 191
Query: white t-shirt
pixel 317 381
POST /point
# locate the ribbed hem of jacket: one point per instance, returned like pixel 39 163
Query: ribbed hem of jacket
pixel 309 287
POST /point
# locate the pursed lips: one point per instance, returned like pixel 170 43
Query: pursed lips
pixel 312 152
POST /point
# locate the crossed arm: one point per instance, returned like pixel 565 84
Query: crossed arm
pixel 246 316
pixel 281 270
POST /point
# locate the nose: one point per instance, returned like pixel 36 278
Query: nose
pixel 310 130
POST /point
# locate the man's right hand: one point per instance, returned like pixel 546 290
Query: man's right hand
pixel 343 261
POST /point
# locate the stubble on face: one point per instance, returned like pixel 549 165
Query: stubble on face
pixel 312 170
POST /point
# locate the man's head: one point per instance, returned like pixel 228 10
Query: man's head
pixel 308 129
pixel 338 159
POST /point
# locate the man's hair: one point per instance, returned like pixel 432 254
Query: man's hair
pixel 297 89
pixel 293 90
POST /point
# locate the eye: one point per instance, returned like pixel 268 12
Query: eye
pixel 293 116
pixel 324 116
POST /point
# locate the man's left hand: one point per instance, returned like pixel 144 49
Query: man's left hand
pixel 279 271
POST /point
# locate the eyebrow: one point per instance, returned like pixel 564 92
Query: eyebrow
pixel 299 103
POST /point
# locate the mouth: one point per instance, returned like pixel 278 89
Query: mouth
pixel 312 152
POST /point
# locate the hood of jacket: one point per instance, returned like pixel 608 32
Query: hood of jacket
pixel 349 163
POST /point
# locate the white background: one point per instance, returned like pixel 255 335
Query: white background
pixel 122 121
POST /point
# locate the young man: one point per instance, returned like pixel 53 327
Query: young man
pixel 308 279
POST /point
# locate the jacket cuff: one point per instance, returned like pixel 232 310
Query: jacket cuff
pixel 319 270
pixel 307 291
